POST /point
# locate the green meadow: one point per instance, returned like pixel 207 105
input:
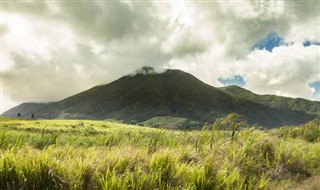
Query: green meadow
pixel 74 154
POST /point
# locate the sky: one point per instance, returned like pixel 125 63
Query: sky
pixel 54 49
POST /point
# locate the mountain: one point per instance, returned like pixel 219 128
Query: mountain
pixel 298 104
pixel 25 110
pixel 147 96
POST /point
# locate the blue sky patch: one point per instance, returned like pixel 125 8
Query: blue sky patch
pixel 269 42
pixel 235 80
pixel 309 43
pixel 316 86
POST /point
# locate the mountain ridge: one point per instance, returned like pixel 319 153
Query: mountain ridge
pixel 147 94
pixel 275 101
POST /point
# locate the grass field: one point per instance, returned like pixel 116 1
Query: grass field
pixel 73 154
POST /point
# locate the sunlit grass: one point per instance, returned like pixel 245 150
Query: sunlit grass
pixel 73 154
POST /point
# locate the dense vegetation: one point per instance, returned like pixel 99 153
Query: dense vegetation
pixel 74 154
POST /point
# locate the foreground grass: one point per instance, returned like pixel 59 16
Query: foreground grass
pixel 73 154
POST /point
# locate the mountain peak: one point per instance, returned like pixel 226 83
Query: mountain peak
pixel 146 70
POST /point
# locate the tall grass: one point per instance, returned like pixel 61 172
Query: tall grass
pixel 104 155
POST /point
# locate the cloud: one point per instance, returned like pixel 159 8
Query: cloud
pixel 238 25
pixel 53 49
pixel 184 43
pixel 108 21
pixel 42 78
pixel 287 70
pixel 52 54
pixel 94 20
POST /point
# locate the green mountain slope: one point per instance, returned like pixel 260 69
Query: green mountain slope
pixel 25 110
pixel 142 96
pixel 145 95
pixel 298 104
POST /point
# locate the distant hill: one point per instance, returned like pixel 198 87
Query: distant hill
pixel 25 110
pixel 298 104
pixel 148 96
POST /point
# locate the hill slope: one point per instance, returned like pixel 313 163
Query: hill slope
pixel 142 96
pixel 146 94
pixel 25 109
pixel 298 104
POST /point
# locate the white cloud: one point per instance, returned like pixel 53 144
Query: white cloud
pixel 73 46
pixel 287 70
pixel 47 60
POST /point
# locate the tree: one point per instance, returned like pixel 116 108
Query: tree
pixel 32 116
pixel 19 114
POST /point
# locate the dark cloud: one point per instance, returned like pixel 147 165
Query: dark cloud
pixel 185 43
pixel 94 19
pixel 108 21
